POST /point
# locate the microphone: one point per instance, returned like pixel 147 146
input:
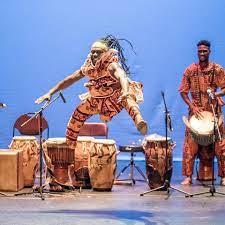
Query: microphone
pixel 62 97
pixel 169 123
pixel 2 105
pixel 211 95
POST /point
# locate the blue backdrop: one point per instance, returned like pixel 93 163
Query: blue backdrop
pixel 43 41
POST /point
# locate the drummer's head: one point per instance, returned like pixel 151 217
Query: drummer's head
pixel 203 50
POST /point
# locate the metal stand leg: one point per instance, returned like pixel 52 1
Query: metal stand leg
pixel 166 186
pixel 131 175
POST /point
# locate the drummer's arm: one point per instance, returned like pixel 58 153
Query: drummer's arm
pixel 195 110
pixel 186 99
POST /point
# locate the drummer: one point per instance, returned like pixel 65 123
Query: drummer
pixel 197 79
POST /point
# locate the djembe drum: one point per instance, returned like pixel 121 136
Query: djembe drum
pixel 82 178
pixel 59 156
pixel 155 156
pixel 102 164
pixel 202 131
pixel 29 146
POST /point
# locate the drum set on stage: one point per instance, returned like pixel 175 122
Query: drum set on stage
pixel 93 162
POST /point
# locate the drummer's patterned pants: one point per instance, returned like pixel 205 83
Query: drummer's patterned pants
pixel 190 151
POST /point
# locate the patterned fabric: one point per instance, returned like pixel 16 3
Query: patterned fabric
pixel 197 81
pixel 101 81
pixel 105 91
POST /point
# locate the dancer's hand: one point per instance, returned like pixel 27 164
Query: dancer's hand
pixel 45 97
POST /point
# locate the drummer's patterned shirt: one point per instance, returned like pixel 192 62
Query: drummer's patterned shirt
pixel 196 81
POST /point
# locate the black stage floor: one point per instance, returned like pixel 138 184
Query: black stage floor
pixel 122 206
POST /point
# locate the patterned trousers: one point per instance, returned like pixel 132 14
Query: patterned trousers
pixel 106 107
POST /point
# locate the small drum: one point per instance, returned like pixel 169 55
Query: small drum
pixel 82 150
pixel 102 164
pixel 30 146
pixel 155 155
pixel 202 129
pixel 60 155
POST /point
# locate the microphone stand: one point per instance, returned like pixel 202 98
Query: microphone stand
pixel 216 131
pixel 39 115
pixel 166 186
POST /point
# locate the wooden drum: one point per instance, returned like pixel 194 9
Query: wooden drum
pixel 202 129
pixel 82 178
pixel 155 155
pixel 102 164
pixel 29 146
pixel 59 157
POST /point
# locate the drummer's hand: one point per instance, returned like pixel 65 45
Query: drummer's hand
pixel 45 97
pixel 197 112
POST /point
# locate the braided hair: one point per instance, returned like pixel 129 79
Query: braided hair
pixel 113 42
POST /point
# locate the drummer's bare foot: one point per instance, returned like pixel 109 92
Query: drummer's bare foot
pixel 187 181
pixel 142 127
pixel 222 182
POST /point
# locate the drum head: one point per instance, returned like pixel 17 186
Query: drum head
pixel 26 138
pixel 156 137
pixel 55 141
pixel 205 125
pixel 85 138
pixel 104 141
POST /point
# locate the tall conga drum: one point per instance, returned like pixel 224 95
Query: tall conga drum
pixel 159 164
pixel 102 164
pixel 29 146
pixel 82 150
pixel 58 156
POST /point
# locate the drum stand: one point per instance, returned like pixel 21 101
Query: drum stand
pixel 166 186
pixel 212 189
pixel 39 115
pixel 131 149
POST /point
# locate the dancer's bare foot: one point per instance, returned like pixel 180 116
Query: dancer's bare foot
pixel 142 127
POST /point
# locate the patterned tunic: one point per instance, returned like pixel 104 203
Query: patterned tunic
pixel 104 93
pixel 197 81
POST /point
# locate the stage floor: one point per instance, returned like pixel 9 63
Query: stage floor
pixel 122 206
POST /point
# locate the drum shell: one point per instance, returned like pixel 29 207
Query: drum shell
pixel 59 156
pixel 29 146
pixel 102 164
pixel 82 150
pixel 155 155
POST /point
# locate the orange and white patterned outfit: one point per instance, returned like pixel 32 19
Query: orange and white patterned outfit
pixel 196 82
pixel 104 92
